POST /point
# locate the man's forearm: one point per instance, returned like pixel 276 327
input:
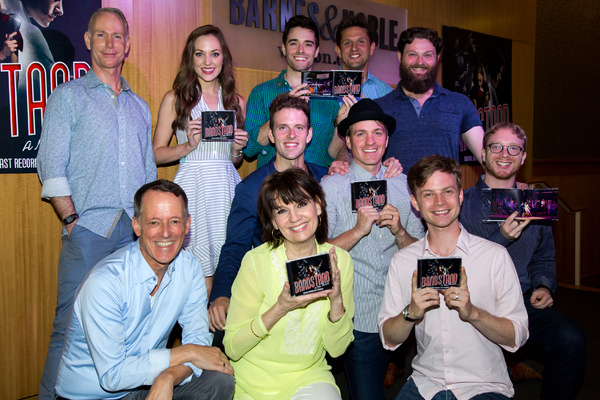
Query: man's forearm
pixel 404 239
pixel 347 240
pixel 396 330
pixel 263 134
pixel 63 206
pixel 498 330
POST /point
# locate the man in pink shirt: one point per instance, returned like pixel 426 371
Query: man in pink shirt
pixel 460 331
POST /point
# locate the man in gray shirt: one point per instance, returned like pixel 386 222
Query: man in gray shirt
pixel 371 236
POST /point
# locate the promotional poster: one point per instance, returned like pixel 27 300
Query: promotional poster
pixel 333 84
pixel 480 67
pixel 51 50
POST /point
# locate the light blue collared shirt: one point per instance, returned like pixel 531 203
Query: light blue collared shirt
pixel 96 147
pixel 115 340
pixel 374 87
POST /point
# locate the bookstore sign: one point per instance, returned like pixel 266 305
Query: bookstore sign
pixel 253 29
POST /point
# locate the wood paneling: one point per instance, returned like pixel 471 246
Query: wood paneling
pixel 31 242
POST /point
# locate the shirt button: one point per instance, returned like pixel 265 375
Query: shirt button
pixel 123 186
pixel 447 351
pixel 122 163
pixel 445 330
pixel 122 140
pixel 448 371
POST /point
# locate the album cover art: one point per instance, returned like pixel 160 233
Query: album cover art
pixel 218 125
pixel 333 84
pixel 499 204
pixel 439 272
pixel 369 193
pixel 309 274
pixel 347 82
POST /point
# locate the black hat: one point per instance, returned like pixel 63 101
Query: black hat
pixel 366 110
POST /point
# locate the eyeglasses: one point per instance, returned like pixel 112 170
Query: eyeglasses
pixel 497 148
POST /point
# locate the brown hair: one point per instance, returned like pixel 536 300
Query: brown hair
pixel 516 129
pixel 110 10
pixel 420 172
pixel 285 100
pixel 187 88
pixel 290 186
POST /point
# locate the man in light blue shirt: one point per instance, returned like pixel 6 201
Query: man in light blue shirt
pixel 371 236
pixel 127 306
pixel 95 152
pixel 355 44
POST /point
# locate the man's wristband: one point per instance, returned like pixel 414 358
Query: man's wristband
pixel 70 219
pixel 406 317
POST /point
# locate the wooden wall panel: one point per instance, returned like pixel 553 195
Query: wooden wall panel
pixel 31 242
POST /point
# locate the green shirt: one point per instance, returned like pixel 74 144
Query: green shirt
pixel 322 114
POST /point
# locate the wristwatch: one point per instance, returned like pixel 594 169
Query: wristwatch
pixel 70 219
pixel 406 317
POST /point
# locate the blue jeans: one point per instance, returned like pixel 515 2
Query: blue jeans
pixel 563 342
pixel 80 251
pixel 366 362
pixel 410 392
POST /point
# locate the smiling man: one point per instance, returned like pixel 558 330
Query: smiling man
pixel 290 132
pixel 95 152
pixel 370 236
pixel 431 119
pixel 531 246
pixel 300 46
pixel 125 309
pixel 460 331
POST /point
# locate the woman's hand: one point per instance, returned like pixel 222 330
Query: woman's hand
pixel 286 303
pixel 240 141
pixel 335 297
pixel 194 133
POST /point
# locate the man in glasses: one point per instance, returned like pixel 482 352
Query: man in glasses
pixel 531 247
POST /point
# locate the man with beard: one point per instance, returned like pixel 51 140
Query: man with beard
pixel 531 247
pixel 430 119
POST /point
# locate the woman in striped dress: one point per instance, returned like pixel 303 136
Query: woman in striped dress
pixel 207 170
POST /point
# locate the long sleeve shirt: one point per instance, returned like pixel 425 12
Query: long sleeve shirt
pixel 117 334
pixel 96 147
pixel 293 353
pixel 372 254
pixel 451 353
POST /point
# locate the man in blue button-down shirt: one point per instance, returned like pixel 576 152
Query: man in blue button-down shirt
pixel 115 344
pixel 95 152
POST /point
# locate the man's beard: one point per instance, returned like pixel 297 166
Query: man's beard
pixel 415 84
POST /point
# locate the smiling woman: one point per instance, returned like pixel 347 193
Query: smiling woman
pixel 277 342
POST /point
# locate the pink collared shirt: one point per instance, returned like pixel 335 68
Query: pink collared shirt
pixel 451 353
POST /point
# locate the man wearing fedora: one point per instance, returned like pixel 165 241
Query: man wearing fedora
pixel 371 236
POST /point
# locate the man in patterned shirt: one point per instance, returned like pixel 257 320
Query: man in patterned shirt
pixel 95 153
pixel 371 236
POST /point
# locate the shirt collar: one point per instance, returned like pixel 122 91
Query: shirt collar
pixel 280 80
pixel 363 175
pixel 437 91
pixel 144 272
pixel 462 244
pixel 91 80
pixel 482 185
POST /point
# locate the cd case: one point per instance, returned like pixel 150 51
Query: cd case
pixel 218 125
pixel 369 193
pixel 499 204
pixel 309 274
pixel 439 272
pixel 333 84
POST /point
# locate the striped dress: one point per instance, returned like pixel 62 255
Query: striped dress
pixel 208 178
